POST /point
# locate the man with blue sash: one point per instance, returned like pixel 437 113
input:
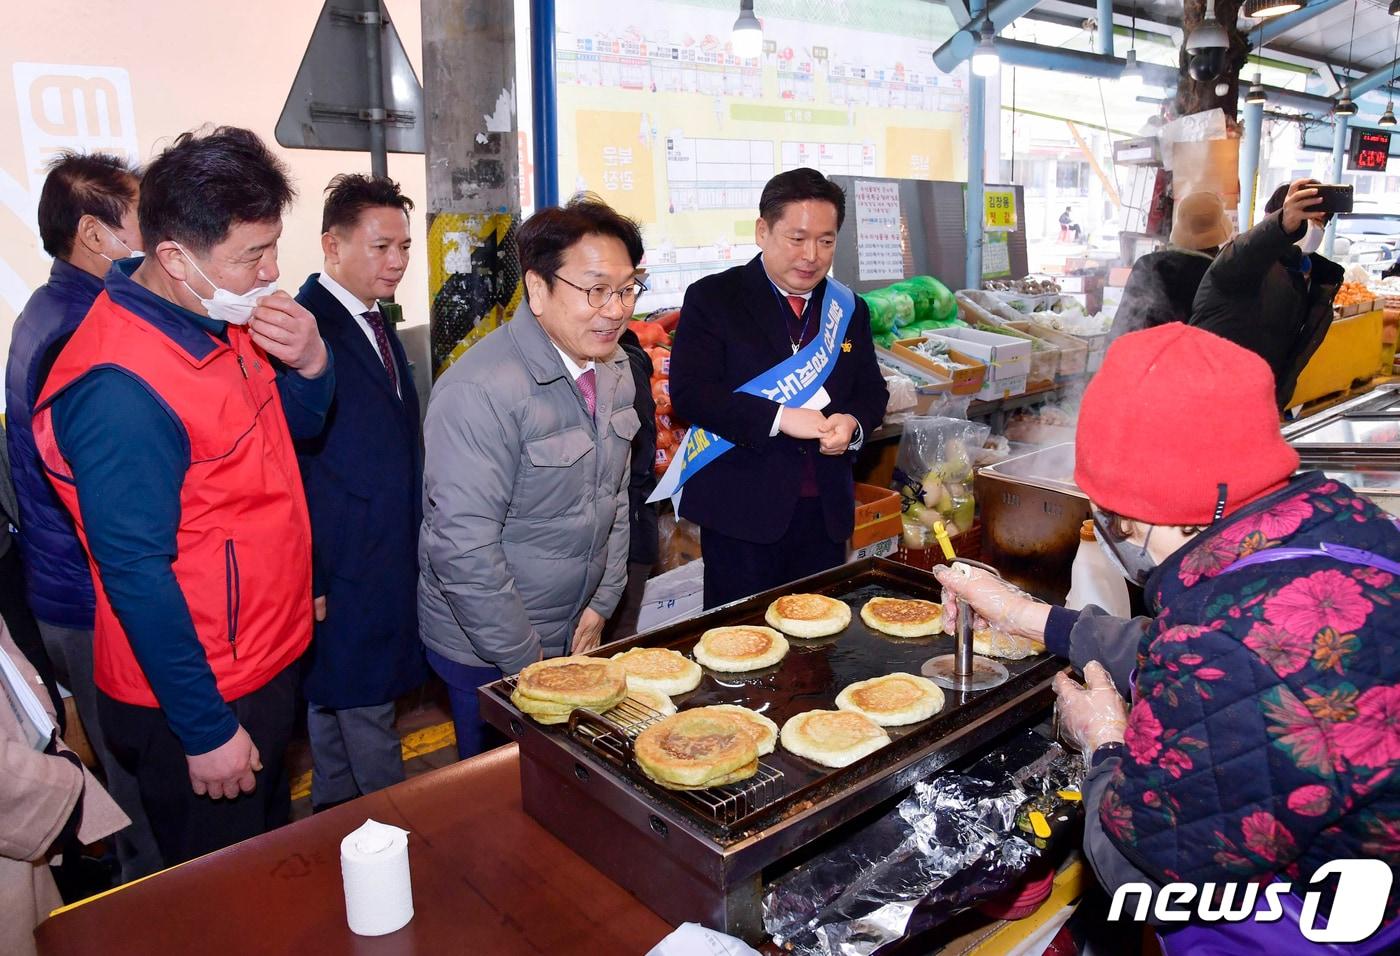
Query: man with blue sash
pixel 774 368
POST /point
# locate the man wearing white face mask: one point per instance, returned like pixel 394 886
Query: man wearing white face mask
pixel 166 425
pixel 87 220
pixel 1270 291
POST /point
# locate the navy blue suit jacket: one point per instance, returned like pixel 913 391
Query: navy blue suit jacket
pixel 732 328
pixel 364 478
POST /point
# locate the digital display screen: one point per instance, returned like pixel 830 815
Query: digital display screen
pixel 1370 150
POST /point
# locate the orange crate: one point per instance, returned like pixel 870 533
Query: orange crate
pixel 965 381
pixel 877 516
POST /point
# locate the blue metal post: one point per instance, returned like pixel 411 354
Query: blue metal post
pixel 545 99
pixel 1339 152
pixel 976 166
pixel 1249 161
pixel 1105 37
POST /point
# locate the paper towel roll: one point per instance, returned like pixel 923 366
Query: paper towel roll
pixel 378 892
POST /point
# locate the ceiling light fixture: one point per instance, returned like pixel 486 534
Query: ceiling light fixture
pixel 1132 77
pixel 1346 106
pixel 1388 117
pixel 1264 9
pixel 986 61
pixel 747 37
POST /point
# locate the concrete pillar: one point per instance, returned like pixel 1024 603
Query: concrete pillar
pixel 1339 152
pixel 469 93
pixel 1249 161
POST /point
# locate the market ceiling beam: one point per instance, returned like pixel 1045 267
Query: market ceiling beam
pixel 1374 80
pixel 1035 56
pixel 960 45
pixel 958 8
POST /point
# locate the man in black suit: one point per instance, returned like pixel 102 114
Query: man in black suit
pixel 363 478
pixel 780 504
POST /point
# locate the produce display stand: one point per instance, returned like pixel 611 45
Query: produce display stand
pixel 1350 353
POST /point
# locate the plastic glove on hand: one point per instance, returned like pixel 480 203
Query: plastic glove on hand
pixel 1002 606
pixel 1090 714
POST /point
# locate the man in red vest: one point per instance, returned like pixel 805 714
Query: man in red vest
pixel 166 428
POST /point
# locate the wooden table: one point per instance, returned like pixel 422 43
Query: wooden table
pixel 486 879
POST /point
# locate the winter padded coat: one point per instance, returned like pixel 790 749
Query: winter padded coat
pixel 1255 295
pixel 525 500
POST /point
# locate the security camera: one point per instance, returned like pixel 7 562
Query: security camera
pixel 1205 65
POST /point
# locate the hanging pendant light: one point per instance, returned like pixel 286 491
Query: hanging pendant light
pixel 985 60
pixel 1345 105
pixel 1264 9
pixel 1131 77
pixel 1388 117
pixel 1256 91
pixel 746 40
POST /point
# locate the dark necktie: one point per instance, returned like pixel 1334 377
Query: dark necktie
pixel 381 339
pixel 588 387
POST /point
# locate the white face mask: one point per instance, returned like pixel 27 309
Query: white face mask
pixel 1312 240
pixel 227 306
pixel 130 252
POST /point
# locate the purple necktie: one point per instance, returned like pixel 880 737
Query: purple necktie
pixel 386 355
pixel 588 386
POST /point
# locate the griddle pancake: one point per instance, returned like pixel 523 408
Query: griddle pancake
pixel 743 773
pixel 578 681
pixel 763 730
pixel 892 700
pixel 659 669
pixel 749 647
pixel 808 615
pixel 832 738
pixel 903 617
pixel 695 748
pixel 1006 646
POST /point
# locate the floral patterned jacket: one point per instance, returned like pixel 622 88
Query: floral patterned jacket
pixel 1264 734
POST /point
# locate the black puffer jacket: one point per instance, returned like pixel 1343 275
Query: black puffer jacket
pixel 1255 295
pixel 643 547
pixel 1160 289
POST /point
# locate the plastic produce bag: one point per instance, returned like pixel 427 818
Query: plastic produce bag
pixel 904 395
pixel 933 471
pixel 949 845
pixel 882 313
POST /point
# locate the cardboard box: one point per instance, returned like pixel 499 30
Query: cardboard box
pixel 878 513
pixel 1074 353
pixel 1002 388
pixel 884 548
pixel 1075 285
pixel 673 596
pixel 965 381
pixel 1007 357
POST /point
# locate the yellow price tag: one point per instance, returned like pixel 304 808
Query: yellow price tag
pixel 999 208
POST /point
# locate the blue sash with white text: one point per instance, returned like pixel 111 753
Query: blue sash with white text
pixel 791 382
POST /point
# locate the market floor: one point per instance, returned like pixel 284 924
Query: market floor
pixel 425 726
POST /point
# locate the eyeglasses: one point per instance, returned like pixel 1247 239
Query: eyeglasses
pixel 600 295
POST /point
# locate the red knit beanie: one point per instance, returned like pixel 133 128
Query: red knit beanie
pixel 1174 414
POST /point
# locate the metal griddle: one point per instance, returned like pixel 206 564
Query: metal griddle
pixel 700 855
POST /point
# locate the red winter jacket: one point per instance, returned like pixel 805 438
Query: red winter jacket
pixel 244 539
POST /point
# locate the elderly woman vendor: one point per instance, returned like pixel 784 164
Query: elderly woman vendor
pixel 1263 737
